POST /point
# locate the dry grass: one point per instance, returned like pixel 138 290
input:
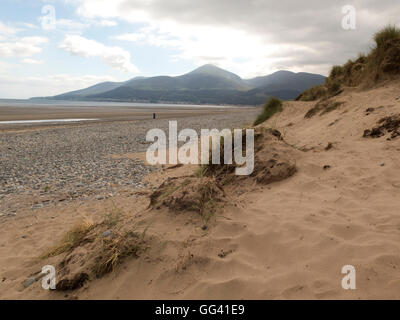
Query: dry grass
pixel 382 63
pixel 114 250
pixel 388 33
pixel 112 218
pixel 88 252
pixel 202 171
pixel 208 204
pixel 71 239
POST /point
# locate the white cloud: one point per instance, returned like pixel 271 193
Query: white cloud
pixel 259 34
pixel 106 23
pixel 70 24
pixel 32 61
pixel 26 87
pixel 13 46
pixel 116 57
pixel 232 49
pixel 4 66
pixel 6 30
pixel 28 25
pixel 22 47
pixel 75 26
pixel 131 37
pixel 112 9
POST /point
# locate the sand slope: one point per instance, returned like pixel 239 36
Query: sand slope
pixel 286 240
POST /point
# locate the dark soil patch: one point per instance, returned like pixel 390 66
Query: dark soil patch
pixel 329 146
pixel 385 125
pixel 201 195
pixel 72 284
pixel 368 111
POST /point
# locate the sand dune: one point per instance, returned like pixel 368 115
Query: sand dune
pixel 286 240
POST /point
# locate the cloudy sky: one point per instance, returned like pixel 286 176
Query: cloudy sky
pixel 52 46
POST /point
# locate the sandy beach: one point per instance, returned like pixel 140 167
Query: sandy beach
pixel 282 240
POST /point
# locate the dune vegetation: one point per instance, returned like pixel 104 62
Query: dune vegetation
pixel 382 63
pixel 272 106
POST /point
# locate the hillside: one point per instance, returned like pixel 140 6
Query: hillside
pixel 206 84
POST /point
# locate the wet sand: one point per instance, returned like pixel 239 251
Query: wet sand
pixel 103 113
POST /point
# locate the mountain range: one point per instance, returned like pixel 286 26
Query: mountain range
pixel 205 85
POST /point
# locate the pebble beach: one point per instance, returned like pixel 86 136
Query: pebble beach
pixel 47 164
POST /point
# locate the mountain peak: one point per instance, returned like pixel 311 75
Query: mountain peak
pixel 283 72
pixel 206 84
pixel 207 67
pixel 211 69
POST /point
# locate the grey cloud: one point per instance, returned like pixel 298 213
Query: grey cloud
pixel 315 24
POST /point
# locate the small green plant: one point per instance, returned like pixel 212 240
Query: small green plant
pixel 273 106
pixel 312 94
pixel 201 171
pixel 111 219
pixel 333 86
pixel 362 58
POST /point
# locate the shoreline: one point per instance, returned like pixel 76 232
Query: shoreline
pixel 102 114
pixel 42 164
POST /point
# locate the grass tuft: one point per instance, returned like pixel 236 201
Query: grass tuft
pixel 312 94
pixel 336 71
pixel 116 249
pixel 272 106
pixel 71 239
pixel 111 219
pixel 388 33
